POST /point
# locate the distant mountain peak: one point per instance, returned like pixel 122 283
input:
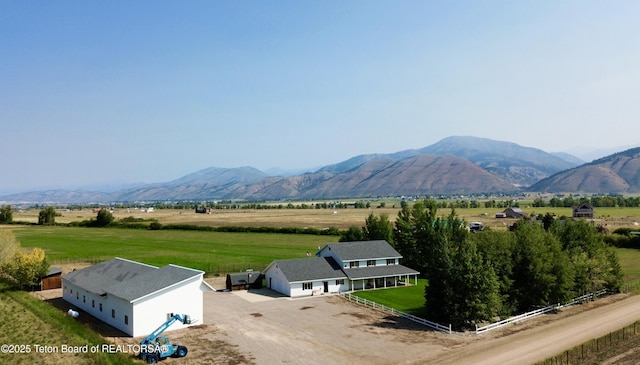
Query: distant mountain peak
pixel 453 165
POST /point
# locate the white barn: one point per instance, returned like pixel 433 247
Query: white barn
pixel 136 298
pixel 338 267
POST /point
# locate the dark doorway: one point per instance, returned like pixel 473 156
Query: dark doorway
pixel 326 286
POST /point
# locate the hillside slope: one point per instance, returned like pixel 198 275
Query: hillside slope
pixel 618 173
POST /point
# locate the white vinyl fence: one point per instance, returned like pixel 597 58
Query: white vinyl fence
pixel 395 312
pixel 479 330
pixel 537 312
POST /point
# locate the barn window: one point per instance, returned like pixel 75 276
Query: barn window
pixel 113 313
pixel 77 295
pixel 307 286
pixel 100 307
pixel 126 319
pixel 84 299
pixel 93 303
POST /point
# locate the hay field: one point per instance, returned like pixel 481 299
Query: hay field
pixel 342 218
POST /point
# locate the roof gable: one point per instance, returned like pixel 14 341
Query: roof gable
pixel 583 207
pixel 127 279
pixel 361 250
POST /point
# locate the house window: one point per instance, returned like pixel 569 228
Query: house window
pixel 353 264
pixel 113 313
pixel 93 303
pixel 84 299
pixel 100 307
pixel 391 261
pixel 126 319
pixel 307 286
pixel 371 262
pixel 340 282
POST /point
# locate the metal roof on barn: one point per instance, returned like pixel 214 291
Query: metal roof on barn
pixel 127 279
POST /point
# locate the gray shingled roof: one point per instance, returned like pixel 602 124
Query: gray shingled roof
pixel 370 272
pixel 128 280
pixel 241 278
pixel 363 250
pixel 308 269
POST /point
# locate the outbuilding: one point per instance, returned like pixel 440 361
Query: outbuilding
pixel 134 297
pixel 52 280
pixel 512 212
pixel 244 280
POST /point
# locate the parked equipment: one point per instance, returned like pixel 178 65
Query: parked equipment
pixel 154 347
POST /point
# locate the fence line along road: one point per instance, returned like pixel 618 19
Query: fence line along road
pixel 479 330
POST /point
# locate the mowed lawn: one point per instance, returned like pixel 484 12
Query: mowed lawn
pixel 408 299
pixel 212 252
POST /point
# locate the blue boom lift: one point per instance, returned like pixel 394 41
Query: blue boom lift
pixel 155 347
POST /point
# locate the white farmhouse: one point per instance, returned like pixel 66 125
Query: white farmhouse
pixel 338 267
pixel 136 298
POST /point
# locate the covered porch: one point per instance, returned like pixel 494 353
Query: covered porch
pixel 380 277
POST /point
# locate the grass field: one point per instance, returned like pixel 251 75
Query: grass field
pixel 342 218
pixel 630 262
pixel 212 252
pixel 41 331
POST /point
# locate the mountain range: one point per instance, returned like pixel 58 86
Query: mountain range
pixel 454 165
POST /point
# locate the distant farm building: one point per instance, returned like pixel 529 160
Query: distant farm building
pixel 512 212
pixel 501 215
pixel 583 210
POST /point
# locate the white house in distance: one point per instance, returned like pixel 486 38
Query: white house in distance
pixel 338 267
pixel 136 298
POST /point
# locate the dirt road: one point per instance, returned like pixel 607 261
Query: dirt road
pixel 265 328
pixel 549 339
pixel 260 329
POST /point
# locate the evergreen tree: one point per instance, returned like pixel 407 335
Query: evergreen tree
pixel 353 234
pixel 542 272
pixel 378 228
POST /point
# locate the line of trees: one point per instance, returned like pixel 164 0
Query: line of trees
pixel 474 278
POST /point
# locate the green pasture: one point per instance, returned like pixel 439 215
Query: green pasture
pixel 212 252
pixel 630 261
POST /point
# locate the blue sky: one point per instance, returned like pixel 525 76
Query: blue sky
pixel 100 93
